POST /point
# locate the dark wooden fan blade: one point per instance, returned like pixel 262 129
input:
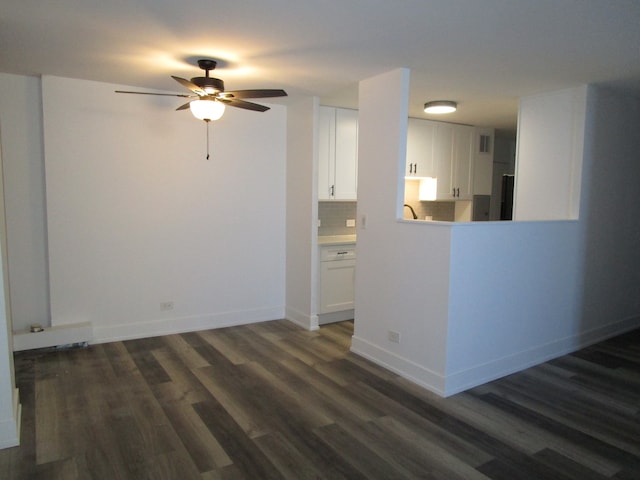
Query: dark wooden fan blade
pixel 183 95
pixel 191 86
pixel 260 93
pixel 242 104
pixel 184 107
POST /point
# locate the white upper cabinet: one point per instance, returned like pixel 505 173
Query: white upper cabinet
pixel 346 154
pixel 420 148
pixel 326 152
pixel 462 163
pixel 337 154
pixel 442 152
pixel 451 154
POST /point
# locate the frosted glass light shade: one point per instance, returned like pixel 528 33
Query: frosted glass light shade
pixel 207 109
pixel 440 106
pixel 428 188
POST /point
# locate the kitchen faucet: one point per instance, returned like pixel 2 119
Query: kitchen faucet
pixel 413 212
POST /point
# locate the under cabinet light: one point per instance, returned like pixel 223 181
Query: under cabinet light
pixel 428 189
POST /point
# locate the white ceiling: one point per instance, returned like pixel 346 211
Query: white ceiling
pixel 484 54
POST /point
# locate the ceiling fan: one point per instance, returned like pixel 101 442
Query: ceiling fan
pixel 210 98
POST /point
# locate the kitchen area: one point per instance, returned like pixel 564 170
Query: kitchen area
pixel 337 209
pixel 454 173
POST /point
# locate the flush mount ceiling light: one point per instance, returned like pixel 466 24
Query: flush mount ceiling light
pixel 440 106
pixel 207 110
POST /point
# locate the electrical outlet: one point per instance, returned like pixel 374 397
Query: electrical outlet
pixel 394 336
pixel 351 222
pixel 319 223
pixel 166 306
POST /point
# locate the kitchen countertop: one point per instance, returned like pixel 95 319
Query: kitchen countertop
pixel 336 239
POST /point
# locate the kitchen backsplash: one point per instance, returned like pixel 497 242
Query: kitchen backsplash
pixel 333 218
pixel 439 211
pixel 333 215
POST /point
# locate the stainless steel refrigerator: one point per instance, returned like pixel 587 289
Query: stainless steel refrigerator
pixel 506 205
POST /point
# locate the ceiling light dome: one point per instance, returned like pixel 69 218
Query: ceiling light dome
pixel 207 110
pixel 440 106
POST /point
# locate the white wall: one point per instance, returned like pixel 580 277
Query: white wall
pixel 473 302
pixel 549 155
pixel 611 209
pixel 9 406
pixel 137 216
pixel 515 298
pixel 302 212
pixel 402 271
pixel 23 165
pixel 524 292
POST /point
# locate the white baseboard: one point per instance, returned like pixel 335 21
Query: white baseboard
pixel 10 428
pixel 53 336
pixel 418 374
pixel 325 318
pixel 456 382
pixel 306 321
pixel 154 328
pixel 480 374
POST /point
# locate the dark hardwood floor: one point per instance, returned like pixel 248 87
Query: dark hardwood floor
pixel 270 400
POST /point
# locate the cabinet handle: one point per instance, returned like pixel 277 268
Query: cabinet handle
pixel 341 253
pixel 454 193
pixel 333 190
pixel 458 192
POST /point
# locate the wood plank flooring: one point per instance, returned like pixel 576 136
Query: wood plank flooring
pixel 273 401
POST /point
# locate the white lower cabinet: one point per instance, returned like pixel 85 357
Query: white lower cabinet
pixel 337 278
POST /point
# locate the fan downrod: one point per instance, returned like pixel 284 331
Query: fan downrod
pixel 206 65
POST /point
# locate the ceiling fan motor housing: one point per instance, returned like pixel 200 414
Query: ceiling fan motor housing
pixel 210 92
pixel 209 84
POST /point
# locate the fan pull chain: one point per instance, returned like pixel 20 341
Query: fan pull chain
pixel 207 122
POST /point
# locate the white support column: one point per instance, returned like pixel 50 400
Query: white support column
pixel 9 404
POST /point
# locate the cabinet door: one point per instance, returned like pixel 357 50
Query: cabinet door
pixel 462 162
pixel 346 157
pixel 337 281
pixel 442 151
pixel 419 148
pixel 326 152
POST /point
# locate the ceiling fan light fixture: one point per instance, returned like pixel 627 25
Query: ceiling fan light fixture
pixel 440 106
pixel 207 109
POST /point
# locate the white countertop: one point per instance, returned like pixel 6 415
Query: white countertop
pixel 336 239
